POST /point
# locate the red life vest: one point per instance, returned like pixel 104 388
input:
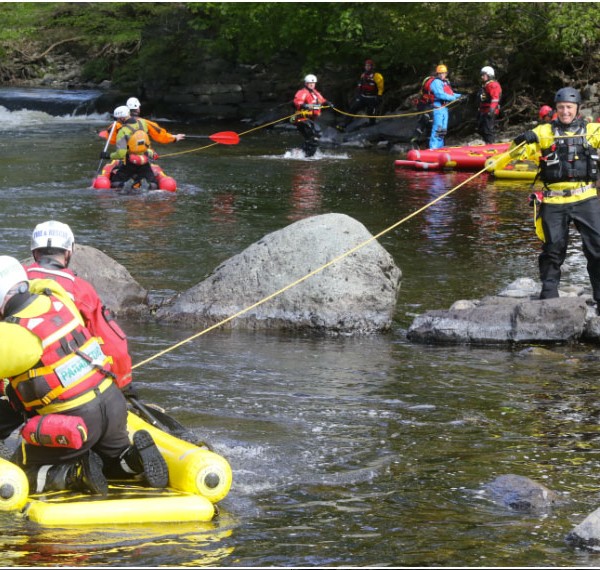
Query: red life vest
pixel 367 85
pixel 489 96
pixel 98 319
pixel 64 277
pixel 72 361
pixel 309 97
pixel 447 87
pixel 427 97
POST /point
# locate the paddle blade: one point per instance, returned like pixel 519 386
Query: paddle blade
pixel 225 137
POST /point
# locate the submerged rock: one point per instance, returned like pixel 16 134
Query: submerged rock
pixel 356 294
pixel 521 494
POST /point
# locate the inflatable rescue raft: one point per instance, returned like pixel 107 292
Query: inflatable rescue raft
pixel 506 166
pixel 471 157
pixel 198 479
pixel 103 182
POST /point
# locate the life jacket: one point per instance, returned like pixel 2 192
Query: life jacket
pixel 447 87
pixel 72 361
pixel 490 92
pixel 98 318
pixel 310 97
pixel 427 97
pixel 138 142
pixel 367 85
pixel 569 158
pixel 64 277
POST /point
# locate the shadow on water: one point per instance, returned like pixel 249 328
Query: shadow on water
pixel 345 451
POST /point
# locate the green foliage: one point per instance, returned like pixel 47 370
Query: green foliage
pixel 167 42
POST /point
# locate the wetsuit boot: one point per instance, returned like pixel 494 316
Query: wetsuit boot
pixel 143 458
pixel 84 475
pixel 549 290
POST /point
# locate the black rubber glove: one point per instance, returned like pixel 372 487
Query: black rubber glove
pixel 130 392
pixel 105 155
pixel 329 104
pixel 528 137
pixel 306 107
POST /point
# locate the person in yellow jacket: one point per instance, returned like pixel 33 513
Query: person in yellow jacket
pixel 568 168
pixel 56 369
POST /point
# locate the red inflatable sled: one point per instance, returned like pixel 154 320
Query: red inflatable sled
pixel 102 181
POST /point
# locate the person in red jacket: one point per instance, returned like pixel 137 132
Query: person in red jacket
pixel 308 102
pixel 489 105
pixel 52 247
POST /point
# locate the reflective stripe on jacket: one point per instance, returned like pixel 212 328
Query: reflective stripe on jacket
pixel 69 357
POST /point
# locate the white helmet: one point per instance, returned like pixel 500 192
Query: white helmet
pixel 133 104
pixel 310 78
pixel 52 234
pixel 11 273
pixel 122 112
pixel 488 71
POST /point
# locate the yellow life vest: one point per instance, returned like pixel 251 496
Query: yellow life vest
pixel 138 142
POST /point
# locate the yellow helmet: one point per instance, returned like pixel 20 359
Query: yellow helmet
pixel 441 69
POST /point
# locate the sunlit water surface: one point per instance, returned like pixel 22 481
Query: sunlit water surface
pixel 345 451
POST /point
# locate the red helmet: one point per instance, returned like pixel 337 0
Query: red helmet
pixel 370 62
pixel 545 110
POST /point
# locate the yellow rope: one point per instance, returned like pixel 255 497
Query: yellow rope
pixel 240 134
pixel 416 113
pixel 308 275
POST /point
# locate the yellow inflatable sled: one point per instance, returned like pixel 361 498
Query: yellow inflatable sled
pixel 507 166
pixel 198 479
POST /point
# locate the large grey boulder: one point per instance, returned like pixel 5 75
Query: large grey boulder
pixel 356 294
pixel 117 289
pixel 515 315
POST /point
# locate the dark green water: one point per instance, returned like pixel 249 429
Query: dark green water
pixel 345 451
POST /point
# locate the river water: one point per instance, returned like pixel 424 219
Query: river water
pixel 365 451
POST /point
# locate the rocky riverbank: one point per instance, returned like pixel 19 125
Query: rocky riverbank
pixel 260 94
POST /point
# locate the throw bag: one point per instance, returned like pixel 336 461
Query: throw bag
pixel 55 430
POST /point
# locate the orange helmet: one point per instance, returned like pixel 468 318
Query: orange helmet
pixel 441 69
pixel 545 110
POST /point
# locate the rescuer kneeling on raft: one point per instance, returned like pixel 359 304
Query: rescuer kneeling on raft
pixel 61 385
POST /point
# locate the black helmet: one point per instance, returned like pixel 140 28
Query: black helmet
pixel 568 95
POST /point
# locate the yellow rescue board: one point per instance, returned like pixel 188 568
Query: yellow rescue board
pixel 198 478
pixel 167 509
pixel 192 469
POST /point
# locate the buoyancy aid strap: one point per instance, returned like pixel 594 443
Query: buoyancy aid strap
pixel 57 272
pixel 568 192
pixel 76 402
pixel 63 331
pixel 569 196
